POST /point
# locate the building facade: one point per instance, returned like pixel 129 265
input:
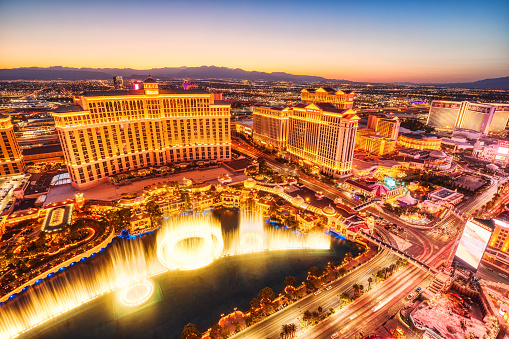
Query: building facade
pixel 270 126
pixel 111 132
pixel 485 118
pixel 11 161
pixel 388 127
pixel 497 251
pixel 340 99
pixel 324 136
pixel 377 145
pixel 420 141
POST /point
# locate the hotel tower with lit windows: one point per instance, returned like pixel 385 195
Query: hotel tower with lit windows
pixel 318 132
pixel 322 135
pixel 11 161
pixel 111 132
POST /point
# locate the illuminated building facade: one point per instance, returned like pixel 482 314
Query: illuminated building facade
pixel 500 118
pixel 498 247
pixel 377 145
pixel 324 136
pixel 420 141
pixel 270 126
pixel 485 118
pixel 111 132
pixel 476 117
pixel 444 114
pixel 11 162
pixel 340 99
pixel 388 128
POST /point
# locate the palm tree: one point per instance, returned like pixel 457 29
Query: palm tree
pixel 284 330
pixel 355 290
pixel 361 289
pixel 292 329
pixel 307 316
pixel 370 280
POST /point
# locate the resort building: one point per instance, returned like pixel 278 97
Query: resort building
pixel 110 132
pixel 322 135
pixel 497 251
pixel 377 145
pixel 361 132
pixel 340 99
pixel 11 161
pixel 388 128
pixel 420 141
pixel 270 126
pixel 485 118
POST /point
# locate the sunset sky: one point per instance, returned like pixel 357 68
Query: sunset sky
pixel 360 40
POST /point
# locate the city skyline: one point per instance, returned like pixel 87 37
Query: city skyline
pixel 439 42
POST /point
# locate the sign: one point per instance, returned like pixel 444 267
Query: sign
pixel 472 244
pixel 313 110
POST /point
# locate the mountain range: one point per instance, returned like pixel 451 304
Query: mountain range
pixel 202 72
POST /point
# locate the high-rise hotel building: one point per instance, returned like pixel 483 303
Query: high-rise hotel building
pixel 11 161
pixel 321 134
pixel 110 132
pixel 485 118
pixel 270 126
pixel 340 99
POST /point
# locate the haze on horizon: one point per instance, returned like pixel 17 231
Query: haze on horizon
pixel 389 41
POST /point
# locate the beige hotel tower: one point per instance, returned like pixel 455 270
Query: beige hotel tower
pixel 110 132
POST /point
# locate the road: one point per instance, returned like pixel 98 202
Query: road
pixel 271 326
pixel 430 247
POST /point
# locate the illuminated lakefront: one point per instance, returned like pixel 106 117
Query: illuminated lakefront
pixel 183 243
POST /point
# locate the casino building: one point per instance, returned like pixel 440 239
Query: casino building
pixel 420 141
pixel 340 99
pixel 11 161
pixel 322 135
pixel 110 132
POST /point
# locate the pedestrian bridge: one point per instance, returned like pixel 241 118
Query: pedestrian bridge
pixel 401 254
pixel 364 205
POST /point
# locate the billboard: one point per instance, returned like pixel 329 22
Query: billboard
pixel 472 244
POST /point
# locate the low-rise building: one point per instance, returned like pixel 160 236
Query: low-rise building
pixel 377 145
pixel 446 196
pixel 420 141
pixel 140 220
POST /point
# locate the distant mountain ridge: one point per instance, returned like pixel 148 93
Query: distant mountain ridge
pixel 202 72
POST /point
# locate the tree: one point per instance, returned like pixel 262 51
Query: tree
pixel 348 256
pixel 314 271
pixel 320 309
pixel 292 329
pixel 153 209
pixel 284 330
pixel 342 271
pixel 191 332
pixel 355 290
pixel 361 289
pixel 255 303
pixel 370 280
pixel 290 281
pixel 267 293
pixel 216 332
pixel 307 316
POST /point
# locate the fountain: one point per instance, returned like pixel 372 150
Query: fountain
pixel 183 243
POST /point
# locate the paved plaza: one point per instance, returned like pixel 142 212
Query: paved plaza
pixel 108 192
